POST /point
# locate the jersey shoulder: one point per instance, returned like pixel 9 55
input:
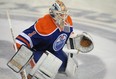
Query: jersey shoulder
pixel 45 25
pixel 69 20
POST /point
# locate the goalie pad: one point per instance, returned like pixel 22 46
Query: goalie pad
pixel 82 42
pixel 47 67
pixel 21 58
pixel 71 66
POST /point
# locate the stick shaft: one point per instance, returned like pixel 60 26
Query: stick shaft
pixel 11 30
pixel 23 73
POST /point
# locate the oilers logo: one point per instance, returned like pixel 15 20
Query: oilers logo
pixel 59 42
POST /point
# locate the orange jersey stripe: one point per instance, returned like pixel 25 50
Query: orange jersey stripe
pixel 24 41
pixel 32 63
pixel 18 45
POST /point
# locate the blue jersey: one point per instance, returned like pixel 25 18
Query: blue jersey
pixel 45 35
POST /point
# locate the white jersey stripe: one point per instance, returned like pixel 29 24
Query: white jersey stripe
pixel 28 38
pixel 19 42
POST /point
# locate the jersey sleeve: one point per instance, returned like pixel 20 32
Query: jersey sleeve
pixel 23 39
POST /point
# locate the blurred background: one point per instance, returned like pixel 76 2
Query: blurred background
pixel 96 17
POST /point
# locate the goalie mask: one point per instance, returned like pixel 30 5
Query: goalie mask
pixel 59 13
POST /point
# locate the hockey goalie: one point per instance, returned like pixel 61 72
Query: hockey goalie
pixel 42 46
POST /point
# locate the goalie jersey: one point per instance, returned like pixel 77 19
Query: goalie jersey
pixel 45 35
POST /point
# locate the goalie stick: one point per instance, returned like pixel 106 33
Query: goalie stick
pixel 23 73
